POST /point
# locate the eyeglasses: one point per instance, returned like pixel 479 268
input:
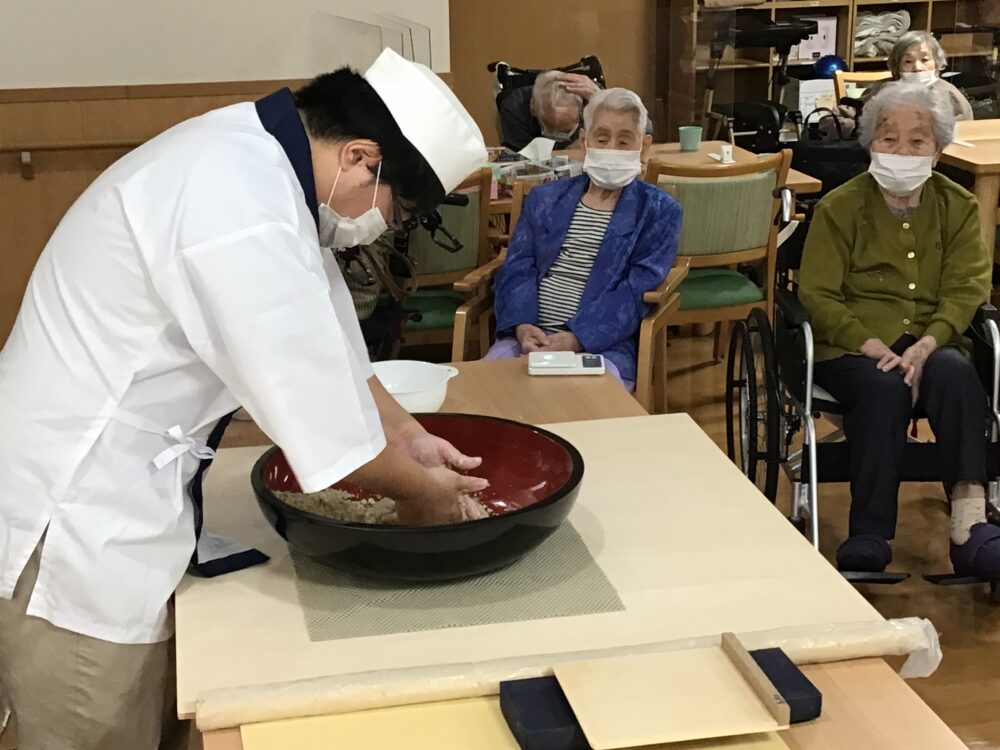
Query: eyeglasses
pixel 431 221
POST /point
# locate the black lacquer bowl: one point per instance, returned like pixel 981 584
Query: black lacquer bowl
pixel 534 479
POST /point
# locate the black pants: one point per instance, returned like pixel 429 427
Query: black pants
pixel 879 412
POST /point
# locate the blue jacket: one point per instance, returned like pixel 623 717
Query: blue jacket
pixel 637 252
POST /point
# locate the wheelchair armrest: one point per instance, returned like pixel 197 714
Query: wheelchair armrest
pixel 790 307
pixel 985 312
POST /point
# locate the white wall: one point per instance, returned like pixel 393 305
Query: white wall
pixel 113 42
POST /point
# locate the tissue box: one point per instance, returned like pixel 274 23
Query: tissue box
pixel 805 96
pixel 823 42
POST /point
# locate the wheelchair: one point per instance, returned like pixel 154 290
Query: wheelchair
pixel 771 397
pixel 509 78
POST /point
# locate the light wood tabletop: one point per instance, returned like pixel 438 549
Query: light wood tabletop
pixel 800 182
pixel 865 703
pixel 981 158
pixel 503 388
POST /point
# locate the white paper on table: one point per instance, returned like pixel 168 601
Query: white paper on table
pixel 539 149
pixel 960 142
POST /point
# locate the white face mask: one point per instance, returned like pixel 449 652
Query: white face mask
pixel 926 77
pixel 900 175
pixel 610 168
pixel 558 136
pixel 338 231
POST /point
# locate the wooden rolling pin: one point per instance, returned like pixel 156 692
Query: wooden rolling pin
pixel 224 708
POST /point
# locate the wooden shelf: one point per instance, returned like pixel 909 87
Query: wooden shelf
pixel 891 2
pixel 981 52
pixel 808 5
pixel 883 58
pixel 736 63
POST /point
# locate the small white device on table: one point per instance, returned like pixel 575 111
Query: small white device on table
pixel 565 363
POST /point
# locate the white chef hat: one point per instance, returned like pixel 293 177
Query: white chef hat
pixel 430 117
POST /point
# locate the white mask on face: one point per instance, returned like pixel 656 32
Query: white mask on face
pixel 610 168
pixel 339 232
pixel 559 136
pixel 926 77
pixel 900 175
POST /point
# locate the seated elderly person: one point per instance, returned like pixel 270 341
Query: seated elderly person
pixel 918 56
pixel 586 249
pixel 892 273
pixel 551 108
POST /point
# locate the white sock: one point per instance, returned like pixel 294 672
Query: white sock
pixel 965 512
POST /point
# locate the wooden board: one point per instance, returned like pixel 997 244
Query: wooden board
pixel 468 724
pixel 671 697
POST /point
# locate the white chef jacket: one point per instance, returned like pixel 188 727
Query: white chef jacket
pixel 187 280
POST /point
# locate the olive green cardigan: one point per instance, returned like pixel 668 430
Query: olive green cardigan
pixel 869 274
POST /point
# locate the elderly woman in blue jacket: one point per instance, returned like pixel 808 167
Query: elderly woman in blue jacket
pixel 585 250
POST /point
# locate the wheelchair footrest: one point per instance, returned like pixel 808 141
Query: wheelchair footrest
pixel 951 579
pixel 884 578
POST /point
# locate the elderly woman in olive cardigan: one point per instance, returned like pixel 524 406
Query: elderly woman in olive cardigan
pixel 893 270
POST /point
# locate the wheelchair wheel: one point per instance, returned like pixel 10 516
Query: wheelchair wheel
pixel 753 420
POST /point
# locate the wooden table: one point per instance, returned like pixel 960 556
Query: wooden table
pixel 800 182
pixel 671 153
pixel 982 160
pixel 226 626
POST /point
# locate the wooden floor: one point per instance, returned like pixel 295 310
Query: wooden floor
pixel 965 691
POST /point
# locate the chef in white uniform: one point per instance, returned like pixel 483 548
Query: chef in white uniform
pixel 186 281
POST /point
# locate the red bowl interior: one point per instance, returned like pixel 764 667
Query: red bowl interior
pixel 523 466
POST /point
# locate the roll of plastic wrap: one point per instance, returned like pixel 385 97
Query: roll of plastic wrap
pixel 220 709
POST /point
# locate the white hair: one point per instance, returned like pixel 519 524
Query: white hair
pixel 616 100
pixel 912 39
pixel 549 95
pixel 909 94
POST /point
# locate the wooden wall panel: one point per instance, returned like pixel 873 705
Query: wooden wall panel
pixel 69 133
pixel 534 34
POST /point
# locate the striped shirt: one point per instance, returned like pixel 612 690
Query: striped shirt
pixel 562 287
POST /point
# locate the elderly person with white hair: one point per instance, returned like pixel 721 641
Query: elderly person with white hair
pixel 893 271
pixel 586 249
pixel 551 108
pixel 918 56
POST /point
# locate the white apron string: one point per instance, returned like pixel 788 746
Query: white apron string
pixel 182 443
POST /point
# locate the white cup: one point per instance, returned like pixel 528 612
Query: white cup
pixel 726 153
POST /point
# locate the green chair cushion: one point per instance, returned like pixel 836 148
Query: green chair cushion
pixel 437 308
pixel 717 287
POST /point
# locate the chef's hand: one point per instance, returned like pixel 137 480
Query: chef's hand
pixel 563 341
pixel 443 503
pixel 579 84
pixel 911 364
pixel 432 451
pixel 887 360
pixel 530 338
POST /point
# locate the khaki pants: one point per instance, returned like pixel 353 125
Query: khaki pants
pixel 72 692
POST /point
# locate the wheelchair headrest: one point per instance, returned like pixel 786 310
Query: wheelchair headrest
pixel 509 77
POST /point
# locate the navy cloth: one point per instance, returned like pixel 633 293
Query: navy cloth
pixel 279 117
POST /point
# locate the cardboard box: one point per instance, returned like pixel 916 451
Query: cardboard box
pixel 823 42
pixel 801 96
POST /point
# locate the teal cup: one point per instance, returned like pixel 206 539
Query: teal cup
pixel 690 137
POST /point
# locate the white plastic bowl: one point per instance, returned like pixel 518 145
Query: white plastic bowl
pixel 417 386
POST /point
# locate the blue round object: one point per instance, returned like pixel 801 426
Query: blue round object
pixel 827 64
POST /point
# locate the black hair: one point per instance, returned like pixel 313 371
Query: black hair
pixel 343 105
